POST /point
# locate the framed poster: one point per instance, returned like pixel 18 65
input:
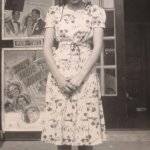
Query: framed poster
pixel 24 19
pixel 24 77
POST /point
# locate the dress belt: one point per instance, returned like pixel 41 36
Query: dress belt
pixel 75 47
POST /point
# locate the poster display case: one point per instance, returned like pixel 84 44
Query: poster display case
pixel 24 76
pixel 24 19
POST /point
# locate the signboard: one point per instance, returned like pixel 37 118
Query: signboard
pixel 28 43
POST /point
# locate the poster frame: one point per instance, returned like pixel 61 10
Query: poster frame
pixel 4 37
pixel 4 129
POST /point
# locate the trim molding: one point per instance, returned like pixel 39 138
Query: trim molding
pixel 129 136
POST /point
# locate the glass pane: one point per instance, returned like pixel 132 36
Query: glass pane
pixel 109 58
pixel 96 2
pixel 109 30
pixel 101 80
pixel 109 52
pixel 23 89
pixel 108 4
pixel 110 81
pixel 24 8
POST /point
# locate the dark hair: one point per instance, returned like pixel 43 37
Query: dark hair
pixel 8 91
pixel 36 11
pixel 26 20
pixel 63 2
pixel 13 12
pixel 26 99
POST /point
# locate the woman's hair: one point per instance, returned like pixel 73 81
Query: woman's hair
pixel 8 89
pixel 25 97
pixel 26 20
pixel 63 2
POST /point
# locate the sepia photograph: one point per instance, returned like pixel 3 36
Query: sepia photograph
pixel 75 75
pixel 24 18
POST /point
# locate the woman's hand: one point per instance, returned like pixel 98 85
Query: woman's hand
pixel 64 85
pixel 75 81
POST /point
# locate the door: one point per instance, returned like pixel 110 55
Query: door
pixel 137 36
pixel 136 64
pixel 137 75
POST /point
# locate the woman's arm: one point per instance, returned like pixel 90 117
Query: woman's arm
pixel 98 44
pixel 48 44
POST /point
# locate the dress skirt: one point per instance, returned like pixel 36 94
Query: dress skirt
pixel 78 119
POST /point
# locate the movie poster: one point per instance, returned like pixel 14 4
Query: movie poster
pixel 24 78
pixel 24 19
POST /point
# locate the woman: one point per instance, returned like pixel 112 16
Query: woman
pixel 31 114
pixel 28 26
pixel 22 101
pixel 73 99
pixel 13 90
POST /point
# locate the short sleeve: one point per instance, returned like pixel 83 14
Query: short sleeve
pixel 98 17
pixel 50 17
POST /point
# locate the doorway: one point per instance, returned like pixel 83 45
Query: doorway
pixel 137 37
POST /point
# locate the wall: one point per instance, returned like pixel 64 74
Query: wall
pixel 114 107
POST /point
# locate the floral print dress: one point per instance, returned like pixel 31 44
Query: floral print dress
pixel 79 119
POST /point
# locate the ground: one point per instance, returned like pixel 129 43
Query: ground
pixel 117 140
pixel 11 145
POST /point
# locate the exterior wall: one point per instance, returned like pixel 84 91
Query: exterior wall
pixel 115 107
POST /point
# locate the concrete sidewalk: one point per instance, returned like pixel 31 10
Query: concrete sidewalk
pixel 13 145
pixel 117 140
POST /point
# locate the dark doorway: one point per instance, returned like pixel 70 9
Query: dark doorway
pixel 137 41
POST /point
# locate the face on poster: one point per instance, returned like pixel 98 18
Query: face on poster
pixel 24 19
pixel 24 78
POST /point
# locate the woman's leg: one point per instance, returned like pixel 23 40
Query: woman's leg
pixel 64 147
pixel 85 147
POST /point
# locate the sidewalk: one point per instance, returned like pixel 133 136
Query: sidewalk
pixel 105 146
pixel 122 140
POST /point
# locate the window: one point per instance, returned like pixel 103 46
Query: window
pixel 107 64
pixel 107 67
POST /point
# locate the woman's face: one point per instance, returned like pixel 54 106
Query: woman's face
pixel 74 1
pixel 32 114
pixel 29 21
pixel 22 101
pixel 14 91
